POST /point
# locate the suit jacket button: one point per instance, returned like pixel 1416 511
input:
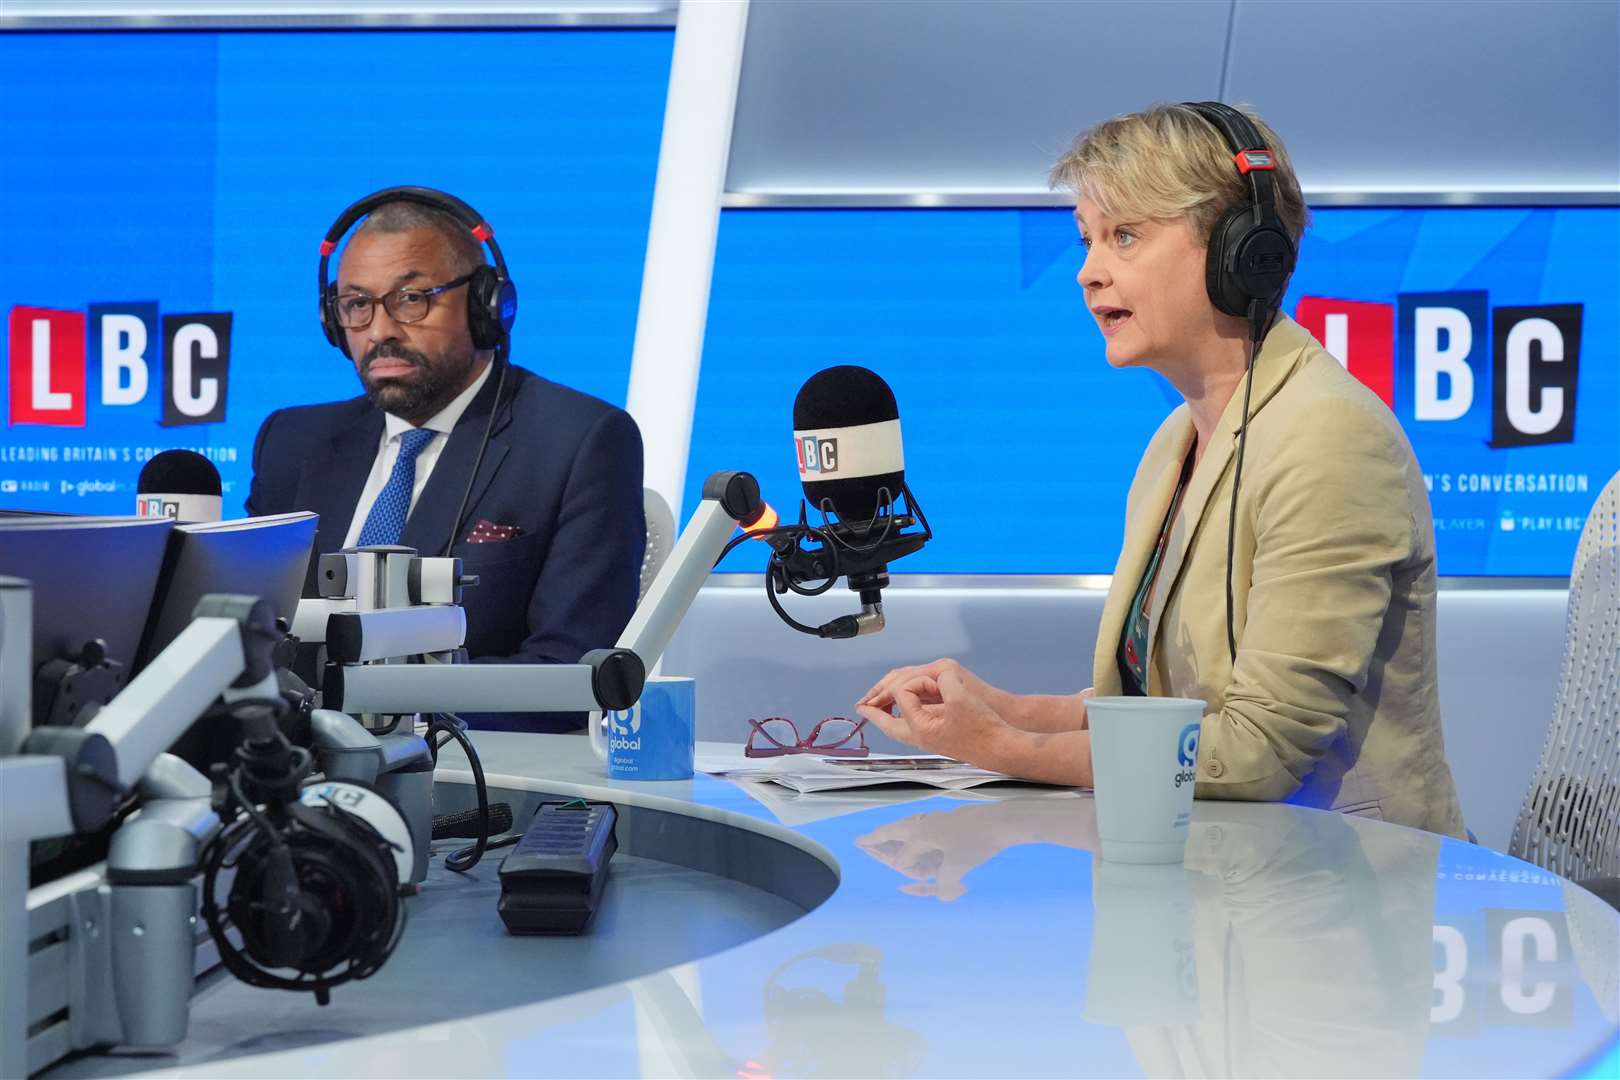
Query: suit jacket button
pixel 1214 767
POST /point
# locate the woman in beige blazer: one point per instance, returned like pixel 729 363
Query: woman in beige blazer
pixel 1331 700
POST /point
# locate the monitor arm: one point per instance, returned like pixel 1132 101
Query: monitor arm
pixel 129 946
pixel 77 776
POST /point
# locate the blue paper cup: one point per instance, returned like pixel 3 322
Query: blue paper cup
pixel 653 739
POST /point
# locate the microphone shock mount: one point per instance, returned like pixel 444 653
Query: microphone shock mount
pixel 315 901
pixel 809 559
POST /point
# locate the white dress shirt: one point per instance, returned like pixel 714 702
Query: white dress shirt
pixel 442 423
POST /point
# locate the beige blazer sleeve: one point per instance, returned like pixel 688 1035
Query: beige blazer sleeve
pixel 1327 539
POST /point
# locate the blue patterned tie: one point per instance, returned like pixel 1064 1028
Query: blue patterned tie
pixel 387 518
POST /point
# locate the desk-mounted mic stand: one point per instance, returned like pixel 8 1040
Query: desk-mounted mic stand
pixel 393 626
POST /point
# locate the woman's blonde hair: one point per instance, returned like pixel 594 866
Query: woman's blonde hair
pixel 1168 161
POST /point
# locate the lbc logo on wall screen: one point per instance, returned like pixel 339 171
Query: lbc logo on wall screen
pixel 60 358
pixel 1437 358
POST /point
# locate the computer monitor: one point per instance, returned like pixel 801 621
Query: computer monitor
pixel 16 652
pixel 91 577
pixel 263 556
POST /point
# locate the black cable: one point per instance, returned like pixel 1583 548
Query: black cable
pixel 770 594
pixel 1256 320
pixel 757 534
pixel 467 858
pixel 483 444
pixel 233 781
pixel 393 723
pixel 829 551
pixel 795 533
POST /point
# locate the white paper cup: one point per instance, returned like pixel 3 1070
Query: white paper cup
pixel 1144 760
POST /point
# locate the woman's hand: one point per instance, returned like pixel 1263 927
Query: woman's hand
pixel 882 695
pixel 1030 712
pixel 938 714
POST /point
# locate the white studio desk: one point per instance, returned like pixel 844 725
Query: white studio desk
pixel 905 933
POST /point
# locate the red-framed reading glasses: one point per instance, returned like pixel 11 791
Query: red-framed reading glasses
pixel 836 736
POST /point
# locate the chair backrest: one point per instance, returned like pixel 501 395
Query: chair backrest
pixel 1570 822
pixel 660 536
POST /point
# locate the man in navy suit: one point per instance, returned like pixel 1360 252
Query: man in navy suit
pixel 553 526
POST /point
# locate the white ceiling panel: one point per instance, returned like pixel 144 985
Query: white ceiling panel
pixel 976 95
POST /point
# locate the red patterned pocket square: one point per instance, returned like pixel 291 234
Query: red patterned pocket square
pixel 487 532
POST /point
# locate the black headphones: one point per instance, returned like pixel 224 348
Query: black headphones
pixel 491 295
pixel 1251 254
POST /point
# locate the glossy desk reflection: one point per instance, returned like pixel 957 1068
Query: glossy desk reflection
pixel 1298 943
pixel 977 937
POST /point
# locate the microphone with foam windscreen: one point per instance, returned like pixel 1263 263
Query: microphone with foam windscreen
pixel 179 484
pixel 858 514
pixel 846 432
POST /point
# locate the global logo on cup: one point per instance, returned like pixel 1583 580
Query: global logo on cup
pixel 1187 754
pixel 624 729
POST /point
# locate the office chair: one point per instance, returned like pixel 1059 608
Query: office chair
pixel 660 542
pixel 1570 821
pixel 660 537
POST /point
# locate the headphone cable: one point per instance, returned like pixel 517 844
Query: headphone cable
pixel 483 444
pixel 1257 319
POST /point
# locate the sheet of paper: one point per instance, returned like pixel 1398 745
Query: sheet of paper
pixel 811 772
pixel 793 808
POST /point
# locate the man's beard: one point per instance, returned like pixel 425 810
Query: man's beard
pixel 432 389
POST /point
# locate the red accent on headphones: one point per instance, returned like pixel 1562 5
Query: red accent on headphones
pixel 327 247
pixel 1254 159
pixel 483 232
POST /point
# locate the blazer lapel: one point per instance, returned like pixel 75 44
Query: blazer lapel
pixel 428 528
pixel 1141 533
pixel 1279 355
pixel 331 480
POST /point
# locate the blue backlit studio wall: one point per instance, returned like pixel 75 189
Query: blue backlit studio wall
pixel 1021 441
pixel 186 217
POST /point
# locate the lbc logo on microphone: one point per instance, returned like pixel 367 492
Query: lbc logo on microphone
pixel 59 358
pixel 817 455
pixel 1431 355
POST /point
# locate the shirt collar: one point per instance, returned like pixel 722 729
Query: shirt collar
pixel 443 421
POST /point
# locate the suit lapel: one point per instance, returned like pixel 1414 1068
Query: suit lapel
pixel 331 480
pixel 428 528
pixel 1280 354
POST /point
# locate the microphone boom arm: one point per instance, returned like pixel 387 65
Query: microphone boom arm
pixel 371 624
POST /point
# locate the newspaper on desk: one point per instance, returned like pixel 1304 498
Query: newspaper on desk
pixel 800 788
pixel 811 772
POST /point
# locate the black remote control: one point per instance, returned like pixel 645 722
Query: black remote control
pixel 553 879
